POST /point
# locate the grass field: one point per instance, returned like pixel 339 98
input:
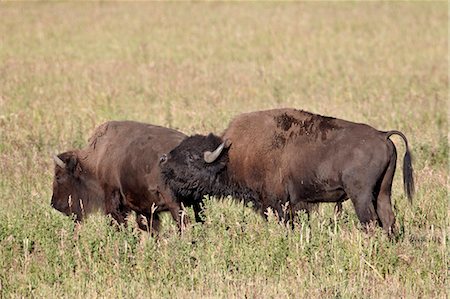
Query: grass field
pixel 66 68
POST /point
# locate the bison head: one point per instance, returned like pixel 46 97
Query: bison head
pixel 196 166
pixel 74 190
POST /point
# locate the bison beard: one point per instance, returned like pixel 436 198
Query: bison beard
pixel 290 156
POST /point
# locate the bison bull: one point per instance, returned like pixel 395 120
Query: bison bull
pixel 116 173
pixel 282 156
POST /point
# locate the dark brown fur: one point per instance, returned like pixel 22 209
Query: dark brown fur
pixel 291 156
pixel 117 172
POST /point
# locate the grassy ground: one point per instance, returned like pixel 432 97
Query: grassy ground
pixel 66 68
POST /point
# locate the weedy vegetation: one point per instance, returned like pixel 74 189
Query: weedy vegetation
pixel 67 67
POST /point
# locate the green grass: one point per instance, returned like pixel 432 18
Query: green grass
pixel 65 68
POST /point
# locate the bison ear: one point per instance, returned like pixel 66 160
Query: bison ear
pixel 70 161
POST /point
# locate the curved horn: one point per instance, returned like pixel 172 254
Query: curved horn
pixel 211 157
pixel 59 162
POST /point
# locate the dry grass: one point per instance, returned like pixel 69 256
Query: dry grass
pixel 65 68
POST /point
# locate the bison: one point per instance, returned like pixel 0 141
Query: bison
pixel 287 157
pixel 117 172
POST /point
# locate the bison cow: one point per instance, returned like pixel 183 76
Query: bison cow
pixel 117 172
pixel 288 157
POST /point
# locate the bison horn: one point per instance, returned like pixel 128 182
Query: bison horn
pixel 59 162
pixel 212 156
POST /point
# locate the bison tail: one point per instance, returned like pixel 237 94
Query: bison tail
pixel 408 179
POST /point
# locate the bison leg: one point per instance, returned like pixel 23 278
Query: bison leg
pixel 198 208
pixel 154 223
pixel 338 209
pixel 179 216
pixel 361 194
pixel 364 208
pixel 383 203
pixel 143 222
pixel 120 217
pixel 114 207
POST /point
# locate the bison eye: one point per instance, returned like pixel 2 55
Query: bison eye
pixel 191 158
pixel 59 178
pixel 163 158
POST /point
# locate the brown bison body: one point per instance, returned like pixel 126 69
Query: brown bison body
pixel 117 172
pixel 286 156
